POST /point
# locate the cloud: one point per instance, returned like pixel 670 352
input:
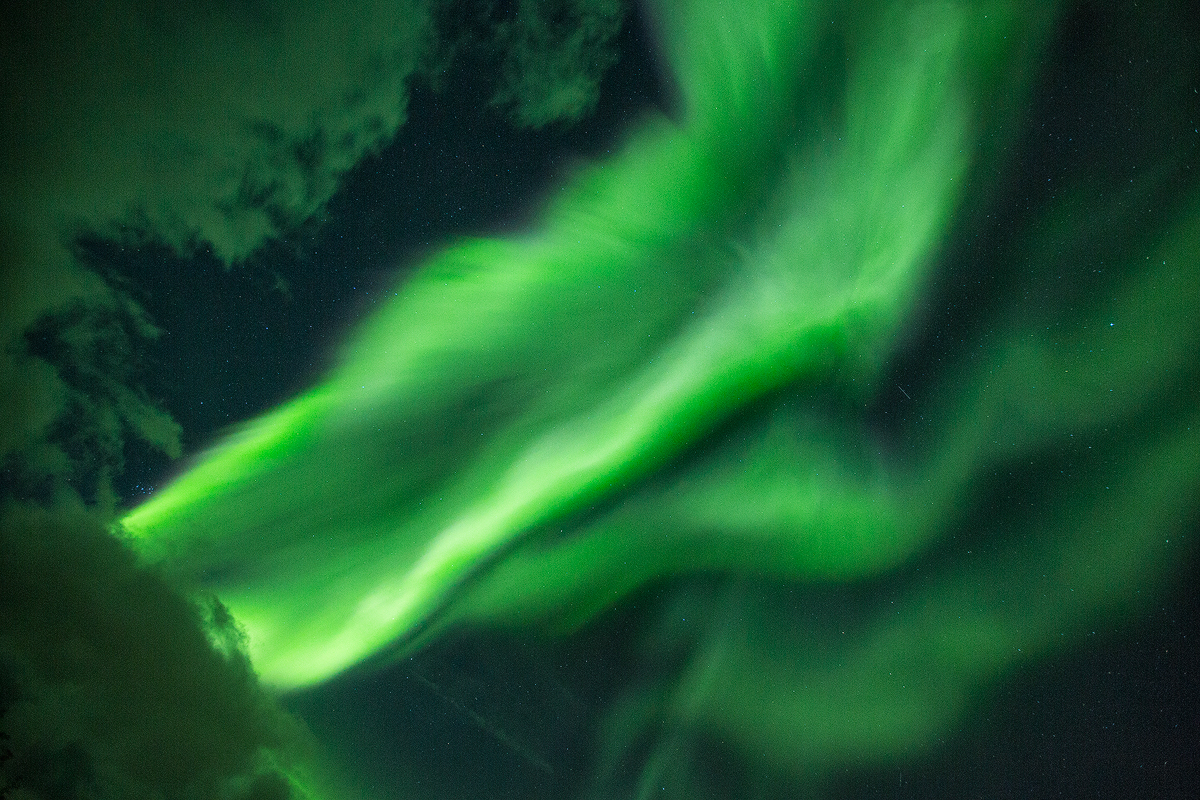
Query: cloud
pixel 554 56
pixel 110 686
pixel 215 123
pixel 215 126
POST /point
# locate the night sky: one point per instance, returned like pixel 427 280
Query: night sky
pixel 717 399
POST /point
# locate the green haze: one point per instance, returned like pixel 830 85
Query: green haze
pixel 680 373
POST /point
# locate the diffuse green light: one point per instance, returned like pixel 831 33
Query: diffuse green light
pixel 668 378
pixel 501 390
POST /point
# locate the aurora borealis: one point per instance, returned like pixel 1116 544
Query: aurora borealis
pixel 845 389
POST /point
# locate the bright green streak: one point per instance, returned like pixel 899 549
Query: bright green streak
pixel 775 238
pixel 514 381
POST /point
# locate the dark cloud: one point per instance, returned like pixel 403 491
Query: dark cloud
pixel 222 124
pixel 109 684
pixel 96 354
pixel 554 56
pixel 215 126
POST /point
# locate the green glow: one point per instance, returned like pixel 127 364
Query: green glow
pixel 668 377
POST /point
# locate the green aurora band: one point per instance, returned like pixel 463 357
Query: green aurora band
pixel 679 373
